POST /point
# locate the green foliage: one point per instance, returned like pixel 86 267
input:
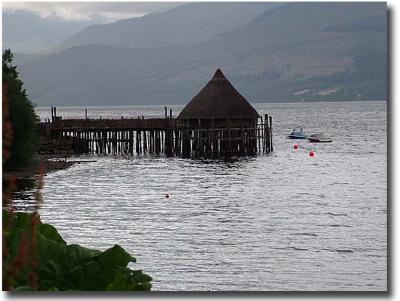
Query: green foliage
pixel 71 267
pixel 21 114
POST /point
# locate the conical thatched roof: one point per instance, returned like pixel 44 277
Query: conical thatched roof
pixel 218 100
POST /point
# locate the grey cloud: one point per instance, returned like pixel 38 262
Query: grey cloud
pixel 101 12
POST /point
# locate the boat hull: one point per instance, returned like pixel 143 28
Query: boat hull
pixel 296 137
pixel 319 140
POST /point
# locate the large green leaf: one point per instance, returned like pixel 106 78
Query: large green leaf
pixel 51 233
pixel 73 267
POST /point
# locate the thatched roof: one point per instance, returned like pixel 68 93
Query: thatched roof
pixel 218 100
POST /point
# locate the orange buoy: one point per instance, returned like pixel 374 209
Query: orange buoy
pixel 311 153
pixel 296 146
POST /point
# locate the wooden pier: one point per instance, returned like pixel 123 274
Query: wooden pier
pixel 160 136
pixel 218 122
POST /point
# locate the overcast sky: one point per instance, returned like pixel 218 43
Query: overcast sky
pixel 98 12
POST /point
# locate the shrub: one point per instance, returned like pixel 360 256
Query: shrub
pixel 21 115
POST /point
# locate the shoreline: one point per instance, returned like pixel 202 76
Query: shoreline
pixel 50 163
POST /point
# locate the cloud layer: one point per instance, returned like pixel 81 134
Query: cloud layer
pixel 101 12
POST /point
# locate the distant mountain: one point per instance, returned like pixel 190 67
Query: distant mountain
pixel 184 25
pixel 313 51
pixel 23 58
pixel 296 52
pixel 27 32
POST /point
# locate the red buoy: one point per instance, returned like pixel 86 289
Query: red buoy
pixel 311 153
pixel 296 146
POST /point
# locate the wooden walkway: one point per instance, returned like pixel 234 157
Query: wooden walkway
pixel 159 136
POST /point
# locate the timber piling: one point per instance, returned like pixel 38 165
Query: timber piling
pixel 168 136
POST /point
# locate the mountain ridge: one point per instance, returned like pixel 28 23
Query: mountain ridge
pixel 310 65
pixel 185 22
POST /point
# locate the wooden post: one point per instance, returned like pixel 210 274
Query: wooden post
pixel 270 130
pixel 153 142
pixel 183 134
pixel 168 142
pixel 213 138
pixel 258 137
pixel 241 141
pixel 150 142
pixel 137 142
pixel 158 142
pixel 176 144
pixel 119 142
pixel 255 138
pixel 141 142
pixel 162 141
pixel 115 139
pixel 266 133
pixel 262 134
pixel 196 140
pixel 144 142
pixel 100 142
pixel 131 142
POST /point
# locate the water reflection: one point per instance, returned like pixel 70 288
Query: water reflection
pixel 23 195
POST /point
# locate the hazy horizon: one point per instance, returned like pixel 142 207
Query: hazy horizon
pixel 31 27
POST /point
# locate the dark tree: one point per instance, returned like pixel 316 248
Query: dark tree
pixel 21 116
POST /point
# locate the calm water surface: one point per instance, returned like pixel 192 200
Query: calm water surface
pixel 285 221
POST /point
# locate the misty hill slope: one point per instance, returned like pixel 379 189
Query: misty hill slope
pixel 184 25
pixel 312 51
pixel 23 58
pixel 101 75
pixel 307 51
pixel 36 33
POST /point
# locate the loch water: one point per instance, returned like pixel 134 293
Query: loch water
pixel 278 222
